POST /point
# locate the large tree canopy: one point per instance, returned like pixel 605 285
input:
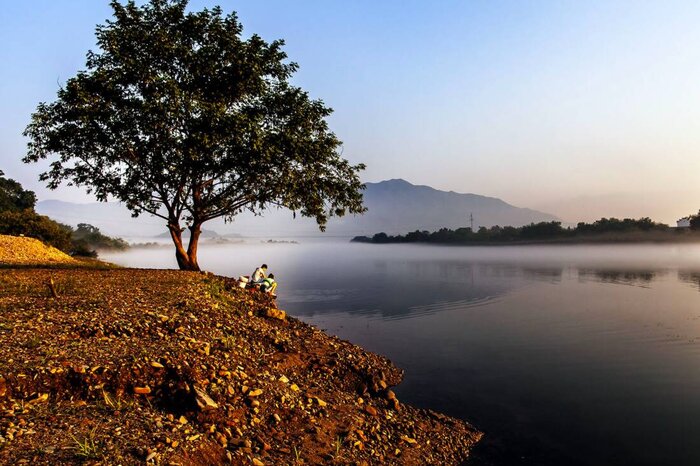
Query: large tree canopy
pixel 177 115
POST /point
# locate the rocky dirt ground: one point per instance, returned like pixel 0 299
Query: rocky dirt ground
pixel 173 368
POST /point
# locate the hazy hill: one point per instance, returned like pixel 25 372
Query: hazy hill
pixel 394 206
pixel 397 206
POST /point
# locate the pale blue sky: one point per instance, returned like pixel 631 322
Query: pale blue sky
pixel 584 108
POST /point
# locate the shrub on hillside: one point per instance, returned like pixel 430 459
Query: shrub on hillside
pixel 29 223
pixel 92 237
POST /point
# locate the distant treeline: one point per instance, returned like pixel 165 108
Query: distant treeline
pixel 606 228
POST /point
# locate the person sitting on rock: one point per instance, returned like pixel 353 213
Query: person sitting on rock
pixel 269 285
pixel 259 275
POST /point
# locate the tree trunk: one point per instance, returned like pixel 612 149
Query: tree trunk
pixel 185 260
pixel 195 231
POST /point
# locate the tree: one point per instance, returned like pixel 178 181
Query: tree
pixel 178 116
pixel 91 237
pixel 695 221
pixel 13 197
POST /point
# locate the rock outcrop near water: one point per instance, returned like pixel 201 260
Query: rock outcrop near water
pixel 176 368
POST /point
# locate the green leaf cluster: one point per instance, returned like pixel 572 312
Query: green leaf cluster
pixel 13 196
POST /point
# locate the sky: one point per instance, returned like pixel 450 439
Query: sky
pixel 582 109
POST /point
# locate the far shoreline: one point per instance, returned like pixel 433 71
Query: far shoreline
pixel 631 239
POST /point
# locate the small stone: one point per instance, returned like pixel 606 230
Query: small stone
pixel 157 365
pixel 294 387
pixel 142 390
pixel 283 379
pixel 254 393
pixel 371 410
pixel 408 439
pixel 320 402
pixel 257 462
pixel 151 456
pixel 273 313
pixel 182 420
pixel 40 399
pixel 204 401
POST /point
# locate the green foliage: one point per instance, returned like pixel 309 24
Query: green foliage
pixel 91 237
pixel 179 116
pixel 13 196
pixel 605 225
pixel 82 248
pixel 25 221
pixel 695 221
pixel 534 232
pixel 29 223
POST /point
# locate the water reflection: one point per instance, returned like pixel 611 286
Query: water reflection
pixel 691 277
pixel 549 274
pixel 402 289
pixel 642 278
pixel 563 355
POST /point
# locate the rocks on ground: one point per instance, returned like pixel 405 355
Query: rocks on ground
pixel 168 367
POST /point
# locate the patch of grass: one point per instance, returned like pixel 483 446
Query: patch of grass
pixel 228 341
pixel 87 448
pixel 297 456
pixel 32 343
pixel 110 403
pixel 215 287
pixel 339 440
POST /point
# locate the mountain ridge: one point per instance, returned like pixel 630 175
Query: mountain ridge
pixel 395 206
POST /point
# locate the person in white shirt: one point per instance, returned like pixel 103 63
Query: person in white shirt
pixel 259 274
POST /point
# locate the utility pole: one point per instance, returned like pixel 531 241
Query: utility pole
pixel 471 221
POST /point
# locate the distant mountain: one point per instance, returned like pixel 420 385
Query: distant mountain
pixel 394 206
pixel 397 206
pixel 186 234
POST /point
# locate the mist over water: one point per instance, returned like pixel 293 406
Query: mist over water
pixel 562 354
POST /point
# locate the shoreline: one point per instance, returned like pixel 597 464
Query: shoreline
pixel 187 369
pixel 585 241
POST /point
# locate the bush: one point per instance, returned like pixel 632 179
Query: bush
pixel 92 237
pixel 81 248
pixel 29 223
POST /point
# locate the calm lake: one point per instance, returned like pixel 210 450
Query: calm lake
pixel 563 355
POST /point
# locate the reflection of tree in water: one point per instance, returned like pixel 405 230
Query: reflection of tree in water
pixel 691 277
pixel 551 274
pixel 620 277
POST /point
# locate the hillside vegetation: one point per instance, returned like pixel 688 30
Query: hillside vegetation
pixel 603 230
pixel 16 250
